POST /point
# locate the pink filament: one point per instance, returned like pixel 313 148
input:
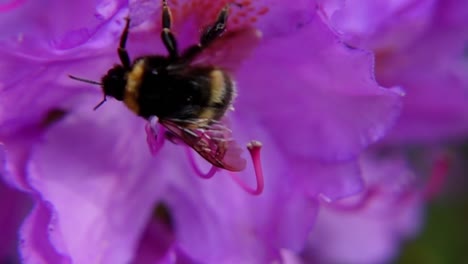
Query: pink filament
pixel 437 177
pixel 254 148
pixel 197 169
pixel 155 139
pixel 11 5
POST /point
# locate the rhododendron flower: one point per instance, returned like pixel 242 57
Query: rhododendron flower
pixel 388 213
pixel 99 194
pixel 420 45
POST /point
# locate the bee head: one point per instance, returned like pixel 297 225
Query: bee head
pixel 113 83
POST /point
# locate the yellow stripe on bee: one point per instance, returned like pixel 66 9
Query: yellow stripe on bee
pixel 218 90
pixel 132 89
pixel 218 86
pixel 207 113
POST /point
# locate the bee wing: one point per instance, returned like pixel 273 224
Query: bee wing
pixel 229 50
pixel 214 143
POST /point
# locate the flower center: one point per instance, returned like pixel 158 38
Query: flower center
pixel 53 116
pixel 163 215
pixel 244 16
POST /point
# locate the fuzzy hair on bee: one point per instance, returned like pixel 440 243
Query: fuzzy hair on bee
pixel 188 95
pixel 201 92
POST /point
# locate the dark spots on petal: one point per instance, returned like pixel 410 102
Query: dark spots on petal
pixel 253 20
pixel 9 260
pixel 383 153
pixel 158 237
pixel 303 22
pixel 300 25
pixel 263 11
pixel 53 116
pixel 242 13
pixel 349 46
pixel 163 215
pixel 465 52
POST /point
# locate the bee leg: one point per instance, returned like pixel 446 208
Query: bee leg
pixel 217 28
pixel 123 54
pixel 166 35
pixel 210 33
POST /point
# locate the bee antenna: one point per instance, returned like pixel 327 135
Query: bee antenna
pixel 100 103
pixel 84 80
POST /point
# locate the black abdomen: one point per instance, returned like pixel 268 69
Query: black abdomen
pixel 183 93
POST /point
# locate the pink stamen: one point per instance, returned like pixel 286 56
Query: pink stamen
pixel 11 5
pixel 359 205
pixel 197 169
pixel 155 139
pixel 254 148
pixel 437 177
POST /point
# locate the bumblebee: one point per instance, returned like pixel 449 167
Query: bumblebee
pixel 189 99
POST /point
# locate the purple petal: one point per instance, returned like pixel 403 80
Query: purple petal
pixel 322 102
pixel 374 231
pixel 402 37
pixel 38 62
pixel 426 83
pixel 35 244
pixel 71 24
pixel 15 206
pixel 101 192
pixel 360 26
pixel 315 178
pixel 15 154
pixel 329 181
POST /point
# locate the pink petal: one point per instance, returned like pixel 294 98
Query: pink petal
pixel 408 37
